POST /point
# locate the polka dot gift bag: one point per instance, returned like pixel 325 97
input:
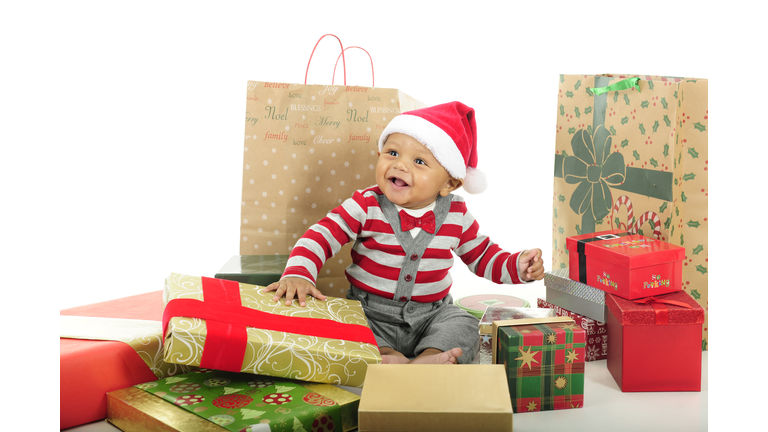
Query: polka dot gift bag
pixel 307 148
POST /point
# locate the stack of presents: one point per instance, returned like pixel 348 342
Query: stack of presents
pixel 215 353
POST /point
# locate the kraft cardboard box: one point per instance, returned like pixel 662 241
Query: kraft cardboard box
pixel 435 398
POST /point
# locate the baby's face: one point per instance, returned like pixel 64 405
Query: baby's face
pixel 409 175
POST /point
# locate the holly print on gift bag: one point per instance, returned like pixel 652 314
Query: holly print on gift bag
pixel 631 153
pixel 243 402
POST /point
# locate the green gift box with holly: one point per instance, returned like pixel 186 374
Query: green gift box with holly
pixel 240 402
pixel 631 154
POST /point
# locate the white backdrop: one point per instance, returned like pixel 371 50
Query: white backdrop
pixel 122 123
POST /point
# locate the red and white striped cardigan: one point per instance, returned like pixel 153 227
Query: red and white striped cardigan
pixel 382 265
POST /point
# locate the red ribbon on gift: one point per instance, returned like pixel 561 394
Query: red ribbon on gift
pixel 226 320
pixel 659 306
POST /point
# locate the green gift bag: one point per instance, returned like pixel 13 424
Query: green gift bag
pixel 631 153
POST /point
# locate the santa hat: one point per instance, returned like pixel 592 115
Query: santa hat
pixel 450 133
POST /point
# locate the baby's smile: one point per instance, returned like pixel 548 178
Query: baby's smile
pixel 398 182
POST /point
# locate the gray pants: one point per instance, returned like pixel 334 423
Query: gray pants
pixel 411 327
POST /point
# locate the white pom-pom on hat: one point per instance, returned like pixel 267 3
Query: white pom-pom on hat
pixel 475 181
pixel 449 131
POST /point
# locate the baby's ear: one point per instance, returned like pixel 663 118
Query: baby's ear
pixel 451 185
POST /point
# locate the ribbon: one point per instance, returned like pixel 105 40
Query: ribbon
pixel 660 308
pixel 426 222
pixel 580 247
pixel 226 321
pixel 621 85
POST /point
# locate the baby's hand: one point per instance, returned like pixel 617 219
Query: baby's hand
pixel 291 286
pixel 530 265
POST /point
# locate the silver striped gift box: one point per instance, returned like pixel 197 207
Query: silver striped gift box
pixel 574 296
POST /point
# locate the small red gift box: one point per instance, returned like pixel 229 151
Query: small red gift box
pixel 627 265
pixel 655 342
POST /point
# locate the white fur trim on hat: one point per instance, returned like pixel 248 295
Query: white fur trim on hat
pixel 433 137
pixel 475 181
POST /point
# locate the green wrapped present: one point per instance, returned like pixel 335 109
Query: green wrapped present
pixel 205 399
pixel 254 269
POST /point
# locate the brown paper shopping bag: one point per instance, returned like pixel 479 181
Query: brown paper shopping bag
pixel 631 153
pixel 308 148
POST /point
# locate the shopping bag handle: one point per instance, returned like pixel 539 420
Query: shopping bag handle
pixel 337 63
pixel 343 59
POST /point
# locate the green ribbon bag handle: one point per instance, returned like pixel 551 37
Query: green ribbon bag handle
pixel 620 85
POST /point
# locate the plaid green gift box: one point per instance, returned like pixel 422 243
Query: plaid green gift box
pixel 544 358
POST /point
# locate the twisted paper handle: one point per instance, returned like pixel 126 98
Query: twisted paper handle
pixel 343 59
pixel 337 62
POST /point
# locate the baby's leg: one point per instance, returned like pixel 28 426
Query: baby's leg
pixel 451 330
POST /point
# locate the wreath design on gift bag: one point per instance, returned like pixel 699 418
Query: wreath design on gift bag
pixel 594 168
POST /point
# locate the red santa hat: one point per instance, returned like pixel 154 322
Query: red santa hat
pixel 450 133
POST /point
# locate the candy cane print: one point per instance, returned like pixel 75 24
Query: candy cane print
pixel 622 200
pixel 651 217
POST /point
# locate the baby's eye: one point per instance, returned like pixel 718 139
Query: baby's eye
pixel 392 153
pixel 420 162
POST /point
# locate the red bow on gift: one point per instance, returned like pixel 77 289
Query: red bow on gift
pixel 426 222
pixel 660 308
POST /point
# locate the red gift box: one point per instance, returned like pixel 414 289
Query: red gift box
pixel 627 265
pixel 90 368
pixel 597 332
pixel 655 342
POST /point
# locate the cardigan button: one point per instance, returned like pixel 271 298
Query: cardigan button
pixel 414 257
pixel 403 299
pixel 408 278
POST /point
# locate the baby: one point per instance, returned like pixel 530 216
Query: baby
pixel 404 230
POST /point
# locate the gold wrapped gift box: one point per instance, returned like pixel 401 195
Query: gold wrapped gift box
pixel 275 353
